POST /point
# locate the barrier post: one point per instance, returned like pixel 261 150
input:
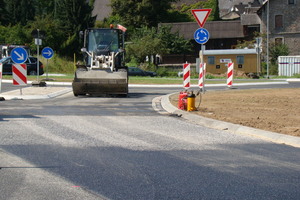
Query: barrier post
pixel 186 75
pixel 202 68
pixel 19 75
pixel 230 74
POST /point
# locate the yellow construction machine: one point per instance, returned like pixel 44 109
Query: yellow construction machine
pixel 104 71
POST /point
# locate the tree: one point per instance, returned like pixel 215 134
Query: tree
pixel 275 51
pixel 144 43
pixel 15 35
pixel 213 4
pixel 3 13
pixel 44 8
pixel 20 11
pixel 74 16
pixel 54 35
pixel 138 13
pixel 150 41
pixel 175 43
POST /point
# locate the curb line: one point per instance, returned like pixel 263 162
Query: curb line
pixel 230 127
pixel 29 97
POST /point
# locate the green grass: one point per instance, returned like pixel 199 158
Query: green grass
pixel 146 80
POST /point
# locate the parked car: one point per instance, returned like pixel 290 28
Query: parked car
pixel 31 63
pixel 134 71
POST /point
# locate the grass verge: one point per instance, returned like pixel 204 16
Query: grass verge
pixel 145 80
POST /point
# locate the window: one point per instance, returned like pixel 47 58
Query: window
pixel 218 67
pixel 211 60
pixel 278 21
pixel 240 60
pixel 278 41
pixel 291 2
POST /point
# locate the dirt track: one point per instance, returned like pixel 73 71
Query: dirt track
pixel 276 110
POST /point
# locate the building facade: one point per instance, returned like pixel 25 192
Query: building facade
pixel 284 26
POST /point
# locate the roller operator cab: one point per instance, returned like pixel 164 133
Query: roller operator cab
pixel 104 71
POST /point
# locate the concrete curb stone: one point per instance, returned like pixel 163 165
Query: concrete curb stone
pixel 226 126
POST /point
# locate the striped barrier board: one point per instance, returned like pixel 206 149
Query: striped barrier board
pixel 202 70
pixel 186 75
pixel 230 74
pixel 19 74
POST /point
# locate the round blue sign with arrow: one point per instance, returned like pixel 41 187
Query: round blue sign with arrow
pixel 19 55
pixel 47 52
pixel 201 35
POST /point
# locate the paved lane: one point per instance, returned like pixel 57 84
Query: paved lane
pixel 120 148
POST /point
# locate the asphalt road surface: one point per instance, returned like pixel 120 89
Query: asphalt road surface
pixel 120 148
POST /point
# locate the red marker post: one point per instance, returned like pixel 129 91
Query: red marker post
pixel 186 75
pixel 230 74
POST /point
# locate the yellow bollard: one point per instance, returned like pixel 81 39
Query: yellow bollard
pixel 191 102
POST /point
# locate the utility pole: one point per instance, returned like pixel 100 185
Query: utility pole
pixel 268 10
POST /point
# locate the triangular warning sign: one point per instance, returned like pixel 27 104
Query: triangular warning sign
pixel 201 15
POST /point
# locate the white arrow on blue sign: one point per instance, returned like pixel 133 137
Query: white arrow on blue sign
pixel 19 55
pixel 47 52
pixel 201 35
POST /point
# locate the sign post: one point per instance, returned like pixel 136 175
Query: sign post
pixel 38 42
pixel 201 36
pixel 47 53
pixel 19 56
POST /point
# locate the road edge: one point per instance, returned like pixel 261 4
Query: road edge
pixel 230 127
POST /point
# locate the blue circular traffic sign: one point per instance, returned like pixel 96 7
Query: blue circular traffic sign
pixel 19 55
pixel 201 35
pixel 47 52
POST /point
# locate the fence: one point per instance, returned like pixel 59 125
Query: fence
pixel 288 65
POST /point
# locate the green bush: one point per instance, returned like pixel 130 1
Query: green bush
pixel 162 71
pixel 209 76
pixel 296 75
pixel 58 64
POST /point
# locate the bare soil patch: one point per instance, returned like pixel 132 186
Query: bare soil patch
pixel 276 110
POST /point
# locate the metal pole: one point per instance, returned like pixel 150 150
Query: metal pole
pixel 268 8
pixel 47 70
pixel 257 57
pixel 202 63
pixel 38 54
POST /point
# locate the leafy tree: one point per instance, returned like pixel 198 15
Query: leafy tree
pixel 20 11
pixel 74 16
pixel 150 41
pixel 44 8
pixel 175 43
pixel 138 13
pixel 275 51
pixel 2 34
pixel 213 4
pixel 144 43
pixel 15 35
pixel 54 35
pixel 3 13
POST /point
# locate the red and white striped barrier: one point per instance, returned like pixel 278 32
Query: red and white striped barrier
pixel 230 74
pixel 202 70
pixel 19 74
pixel 186 75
